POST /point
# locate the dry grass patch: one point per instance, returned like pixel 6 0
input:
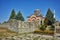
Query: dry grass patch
pixel 6 32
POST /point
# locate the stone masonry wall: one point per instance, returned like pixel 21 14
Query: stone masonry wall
pixel 19 26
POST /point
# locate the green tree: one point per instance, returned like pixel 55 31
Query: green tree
pixel 42 28
pixel 50 17
pixel 19 16
pixel 13 15
pixel 46 21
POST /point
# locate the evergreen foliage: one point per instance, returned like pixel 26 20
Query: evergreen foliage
pixel 19 16
pixel 13 15
pixel 49 19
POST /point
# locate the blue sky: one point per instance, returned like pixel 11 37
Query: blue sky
pixel 27 7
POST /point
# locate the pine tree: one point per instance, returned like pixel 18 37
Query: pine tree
pixel 13 15
pixel 50 17
pixel 19 16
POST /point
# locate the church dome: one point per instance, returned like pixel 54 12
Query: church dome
pixel 37 12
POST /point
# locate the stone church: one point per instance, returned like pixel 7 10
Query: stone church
pixel 36 17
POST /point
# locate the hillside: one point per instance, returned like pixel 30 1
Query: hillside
pixel 4 32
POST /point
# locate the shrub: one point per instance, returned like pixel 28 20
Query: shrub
pixel 38 31
pixel 42 28
pixel 49 32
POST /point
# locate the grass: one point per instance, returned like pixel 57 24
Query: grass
pixel 4 32
pixel 25 33
pixel 45 32
pixel 36 38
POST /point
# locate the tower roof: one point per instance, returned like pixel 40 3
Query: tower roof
pixel 37 12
